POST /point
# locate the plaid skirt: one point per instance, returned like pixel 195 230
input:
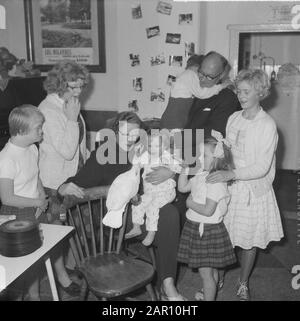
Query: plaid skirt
pixel 213 249
pixel 26 213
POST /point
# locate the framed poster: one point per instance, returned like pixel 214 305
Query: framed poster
pixel 65 29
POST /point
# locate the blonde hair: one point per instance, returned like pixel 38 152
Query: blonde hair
pixel 19 119
pixel 258 78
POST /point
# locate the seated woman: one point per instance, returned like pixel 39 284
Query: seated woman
pixel 98 171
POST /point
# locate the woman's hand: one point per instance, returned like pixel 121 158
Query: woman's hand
pixel 72 108
pixel 158 175
pixel 136 200
pixel 71 189
pixel 220 176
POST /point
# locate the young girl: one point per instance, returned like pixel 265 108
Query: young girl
pixel 186 87
pixel 253 218
pixel 155 196
pixel 205 243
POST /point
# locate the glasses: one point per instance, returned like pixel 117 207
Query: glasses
pixel 208 77
pixel 75 87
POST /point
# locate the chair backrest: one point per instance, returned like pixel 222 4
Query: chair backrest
pixel 86 216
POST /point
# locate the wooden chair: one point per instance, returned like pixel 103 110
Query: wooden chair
pixel 108 271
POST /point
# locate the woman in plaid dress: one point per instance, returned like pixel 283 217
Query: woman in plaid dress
pixel 253 218
pixel 205 243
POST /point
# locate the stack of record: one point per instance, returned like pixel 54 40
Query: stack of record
pixel 18 238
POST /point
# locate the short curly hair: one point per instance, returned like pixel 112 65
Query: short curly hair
pixel 258 78
pixel 62 73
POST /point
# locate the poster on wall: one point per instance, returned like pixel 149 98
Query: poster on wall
pixel 158 60
pixel 173 38
pixel 136 11
pixel 134 60
pixel 65 29
pixel 152 32
pixel 157 95
pixel 164 7
pixel 189 49
pixel 175 61
pixel 185 19
pixel 133 105
pixel 138 84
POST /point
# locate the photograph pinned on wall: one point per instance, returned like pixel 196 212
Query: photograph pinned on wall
pixel 185 19
pixel 170 80
pixel 133 105
pixel 158 60
pixel 173 38
pixel 152 32
pixel 135 60
pixel 136 11
pixel 138 84
pixel 164 7
pixel 157 95
pixel 189 49
pixel 175 61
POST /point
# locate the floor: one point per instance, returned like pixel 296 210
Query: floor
pixel 272 277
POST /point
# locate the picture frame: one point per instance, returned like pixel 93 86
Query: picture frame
pixel 59 30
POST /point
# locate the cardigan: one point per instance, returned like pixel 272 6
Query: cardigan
pixel 59 150
pixel 260 146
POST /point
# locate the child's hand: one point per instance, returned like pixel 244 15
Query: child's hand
pixel 43 204
pixel 189 201
pixel 136 200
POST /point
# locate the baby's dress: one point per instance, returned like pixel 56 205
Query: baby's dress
pixel 250 221
pixel 155 196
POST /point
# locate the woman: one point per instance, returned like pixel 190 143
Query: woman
pixel 253 218
pixel 126 128
pixel 63 149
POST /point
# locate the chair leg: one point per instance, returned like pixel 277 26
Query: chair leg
pixel 152 256
pixel 151 292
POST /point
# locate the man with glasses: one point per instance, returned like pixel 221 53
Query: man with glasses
pixel 213 113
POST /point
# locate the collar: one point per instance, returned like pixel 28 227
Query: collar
pixel 55 99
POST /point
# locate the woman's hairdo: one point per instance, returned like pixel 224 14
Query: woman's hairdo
pixel 62 73
pixel 258 78
pixel 126 116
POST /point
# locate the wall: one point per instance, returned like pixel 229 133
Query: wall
pixel 218 15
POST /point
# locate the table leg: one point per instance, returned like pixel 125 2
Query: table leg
pixel 51 279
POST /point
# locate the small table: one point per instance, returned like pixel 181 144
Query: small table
pixel 12 267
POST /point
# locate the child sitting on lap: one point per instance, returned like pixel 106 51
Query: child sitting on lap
pixel 155 196
pixel 21 191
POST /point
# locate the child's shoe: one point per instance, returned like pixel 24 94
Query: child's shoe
pixel 243 291
pixel 199 295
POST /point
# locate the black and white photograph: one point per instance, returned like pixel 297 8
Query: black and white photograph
pixel 138 84
pixel 158 60
pixel 149 151
pixel 134 60
pixel 152 32
pixel 136 11
pixel 157 95
pixel 189 49
pixel 133 105
pixel 171 79
pixel 185 19
pixel 164 7
pixel 175 61
pixel 173 38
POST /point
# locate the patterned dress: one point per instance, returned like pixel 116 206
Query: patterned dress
pixel 250 221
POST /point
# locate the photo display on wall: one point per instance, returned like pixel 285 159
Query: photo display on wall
pixel 152 32
pixel 164 7
pixel 185 19
pixel 173 38
pixel 136 11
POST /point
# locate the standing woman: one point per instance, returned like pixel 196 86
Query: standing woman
pixel 253 218
pixel 63 149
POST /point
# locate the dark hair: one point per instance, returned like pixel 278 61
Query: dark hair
pixel 129 117
pixel 218 164
pixel 194 60
pixel 20 117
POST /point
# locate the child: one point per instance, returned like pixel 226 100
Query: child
pixel 186 86
pixel 155 196
pixel 253 218
pixel 205 243
pixel 21 192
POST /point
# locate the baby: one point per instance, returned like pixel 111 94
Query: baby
pixel 155 196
